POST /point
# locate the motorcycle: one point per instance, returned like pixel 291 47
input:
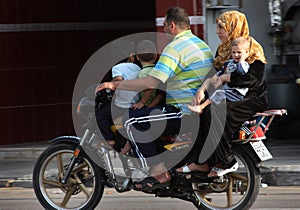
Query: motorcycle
pixel 73 172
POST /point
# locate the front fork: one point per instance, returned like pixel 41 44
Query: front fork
pixel 70 168
pixel 86 142
pixel 87 138
pixel 98 154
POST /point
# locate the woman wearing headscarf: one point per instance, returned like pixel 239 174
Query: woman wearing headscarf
pixel 218 123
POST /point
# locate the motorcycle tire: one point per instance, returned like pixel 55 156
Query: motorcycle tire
pixel 84 188
pixel 237 191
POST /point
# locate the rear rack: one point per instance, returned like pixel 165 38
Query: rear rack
pixel 262 121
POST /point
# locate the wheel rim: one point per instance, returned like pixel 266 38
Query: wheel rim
pixel 78 190
pixel 228 193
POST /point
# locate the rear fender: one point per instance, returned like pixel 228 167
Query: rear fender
pixel 66 139
pixel 246 148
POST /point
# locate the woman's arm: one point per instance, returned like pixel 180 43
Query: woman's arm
pixel 252 78
pixel 200 94
pixel 217 81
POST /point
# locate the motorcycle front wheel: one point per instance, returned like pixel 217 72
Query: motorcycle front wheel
pixel 83 189
pixel 234 191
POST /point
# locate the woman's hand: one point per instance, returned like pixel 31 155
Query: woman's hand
pixel 199 97
pixel 214 78
pixel 216 81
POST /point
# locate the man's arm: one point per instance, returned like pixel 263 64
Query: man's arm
pixel 117 78
pixel 135 85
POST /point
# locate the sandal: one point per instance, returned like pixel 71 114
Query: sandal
pixel 187 170
pixel 111 142
pixel 215 172
pixel 107 143
pixel 150 184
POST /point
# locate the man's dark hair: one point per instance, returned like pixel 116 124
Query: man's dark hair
pixel 179 16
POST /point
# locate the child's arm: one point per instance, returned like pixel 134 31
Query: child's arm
pixel 242 67
pixel 141 103
pixel 205 103
pixel 157 100
pixel 199 108
pixel 200 96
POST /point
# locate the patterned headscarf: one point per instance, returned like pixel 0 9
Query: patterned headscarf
pixel 236 25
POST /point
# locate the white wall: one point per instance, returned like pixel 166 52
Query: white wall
pixel 258 17
pixel 259 23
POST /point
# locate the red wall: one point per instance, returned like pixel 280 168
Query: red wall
pixel 194 8
pixel 39 67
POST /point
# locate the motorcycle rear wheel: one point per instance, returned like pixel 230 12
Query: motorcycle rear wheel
pixel 237 191
pixel 83 189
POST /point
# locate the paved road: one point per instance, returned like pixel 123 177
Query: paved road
pixel 271 198
pixel 16 163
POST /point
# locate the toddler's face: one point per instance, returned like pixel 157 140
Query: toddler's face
pixel 239 53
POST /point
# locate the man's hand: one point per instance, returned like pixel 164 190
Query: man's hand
pixel 105 85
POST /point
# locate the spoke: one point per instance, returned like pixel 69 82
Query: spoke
pixel 67 198
pixel 60 165
pixel 83 188
pixel 229 193
pixel 72 181
pixel 52 183
pixel 79 167
pixel 239 177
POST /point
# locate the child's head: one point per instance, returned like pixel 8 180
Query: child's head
pixel 146 51
pixel 240 48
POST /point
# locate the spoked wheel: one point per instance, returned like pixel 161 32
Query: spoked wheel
pixel 83 189
pixel 236 190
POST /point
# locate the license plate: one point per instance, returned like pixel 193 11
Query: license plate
pixel 261 150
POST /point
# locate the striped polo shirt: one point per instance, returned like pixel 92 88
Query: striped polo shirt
pixel 183 65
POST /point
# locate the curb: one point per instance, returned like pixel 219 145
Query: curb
pixel 269 178
pixel 279 178
pixel 9 183
pixel 282 171
pixel 24 182
pixel 280 175
pixel 20 153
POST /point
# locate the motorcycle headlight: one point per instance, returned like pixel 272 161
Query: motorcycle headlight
pixel 86 106
pixel 103 97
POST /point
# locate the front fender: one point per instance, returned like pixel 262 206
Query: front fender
pixel 66 139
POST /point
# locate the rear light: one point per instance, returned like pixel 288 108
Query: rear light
pixel 258 133
pixel 242 134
